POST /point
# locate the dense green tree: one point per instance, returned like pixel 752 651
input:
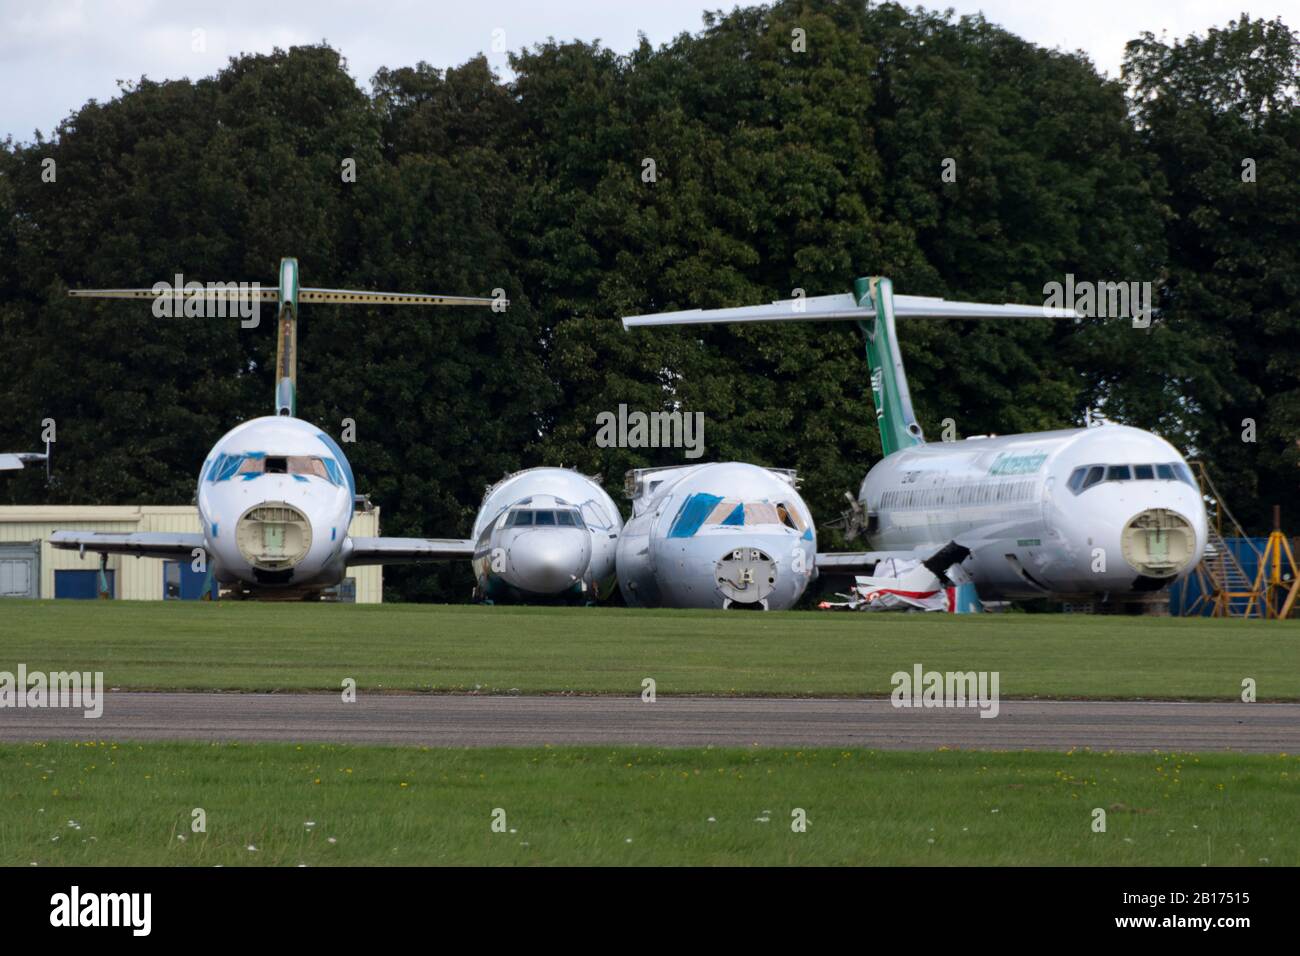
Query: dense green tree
pixel 793 146
pixel 1219 114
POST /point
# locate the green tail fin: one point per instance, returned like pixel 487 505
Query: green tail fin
pixel 894 415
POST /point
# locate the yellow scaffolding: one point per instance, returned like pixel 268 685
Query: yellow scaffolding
pixel 1277 580
pixel 1225 586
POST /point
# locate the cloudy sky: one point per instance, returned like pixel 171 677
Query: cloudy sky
pixel 56 54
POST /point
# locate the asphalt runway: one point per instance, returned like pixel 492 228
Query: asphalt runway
pixel 516 721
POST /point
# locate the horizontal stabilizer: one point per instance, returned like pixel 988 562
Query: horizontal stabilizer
pixel 350 297
pixel 216 292
pixel 842 308
pixel 407 550
pixel 142 544
pixel 234 292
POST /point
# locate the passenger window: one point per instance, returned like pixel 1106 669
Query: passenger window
pixel 546 517
pixel 1119 473
pixel 1144 472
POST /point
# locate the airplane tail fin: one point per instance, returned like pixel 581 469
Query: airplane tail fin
pixel 889 390
pixel 893 399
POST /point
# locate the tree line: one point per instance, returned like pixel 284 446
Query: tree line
pixel 779 148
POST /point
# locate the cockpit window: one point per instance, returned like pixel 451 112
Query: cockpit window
pixel 593 515
pixel 302 465
pixel 528 518
pixel 248 466
pixel 1085 476
pixel 790 517
pixel 702 510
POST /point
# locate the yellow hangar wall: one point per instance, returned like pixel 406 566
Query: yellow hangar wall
pixel 138 579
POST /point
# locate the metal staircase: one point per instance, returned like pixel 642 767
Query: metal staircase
pixel 1225 586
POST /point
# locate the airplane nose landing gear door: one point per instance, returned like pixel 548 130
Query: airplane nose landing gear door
pixel 746 576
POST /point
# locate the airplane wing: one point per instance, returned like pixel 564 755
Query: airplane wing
pixel 938 560
pixel 843 308
pixel 213 293
pixel 350 297
pixel 142 544
pixel 855 562
pixel 407 550
pixel 14 461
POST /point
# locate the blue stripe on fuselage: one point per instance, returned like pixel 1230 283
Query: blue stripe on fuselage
pixel 692 514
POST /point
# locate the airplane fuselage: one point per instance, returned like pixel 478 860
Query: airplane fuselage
pixel 275 499
pixel 1073 513
pixel 718 535
pixel 545 535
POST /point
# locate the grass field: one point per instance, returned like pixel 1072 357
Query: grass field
pixel 104 804
pixel 264 647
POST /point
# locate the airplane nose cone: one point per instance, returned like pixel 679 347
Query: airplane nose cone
pixel 746 575
pixel 273 535
pixel 547 562
pixel 1159 543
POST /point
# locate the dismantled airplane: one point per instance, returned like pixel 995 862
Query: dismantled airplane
pixel 545 535
pixel 1109 511
pixel 721 535
pixel 276 494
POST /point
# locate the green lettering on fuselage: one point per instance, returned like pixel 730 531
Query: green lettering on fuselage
pixel 1006 464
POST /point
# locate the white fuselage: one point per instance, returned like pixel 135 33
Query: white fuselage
pixel 719 535
pixel 1075 513
pixel 544 535
pixel 276 498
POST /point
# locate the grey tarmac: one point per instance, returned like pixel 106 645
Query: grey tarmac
pixel 523 721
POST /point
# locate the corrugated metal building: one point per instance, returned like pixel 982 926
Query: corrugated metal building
pixel 29 567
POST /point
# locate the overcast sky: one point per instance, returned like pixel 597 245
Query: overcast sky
pixel 57 54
